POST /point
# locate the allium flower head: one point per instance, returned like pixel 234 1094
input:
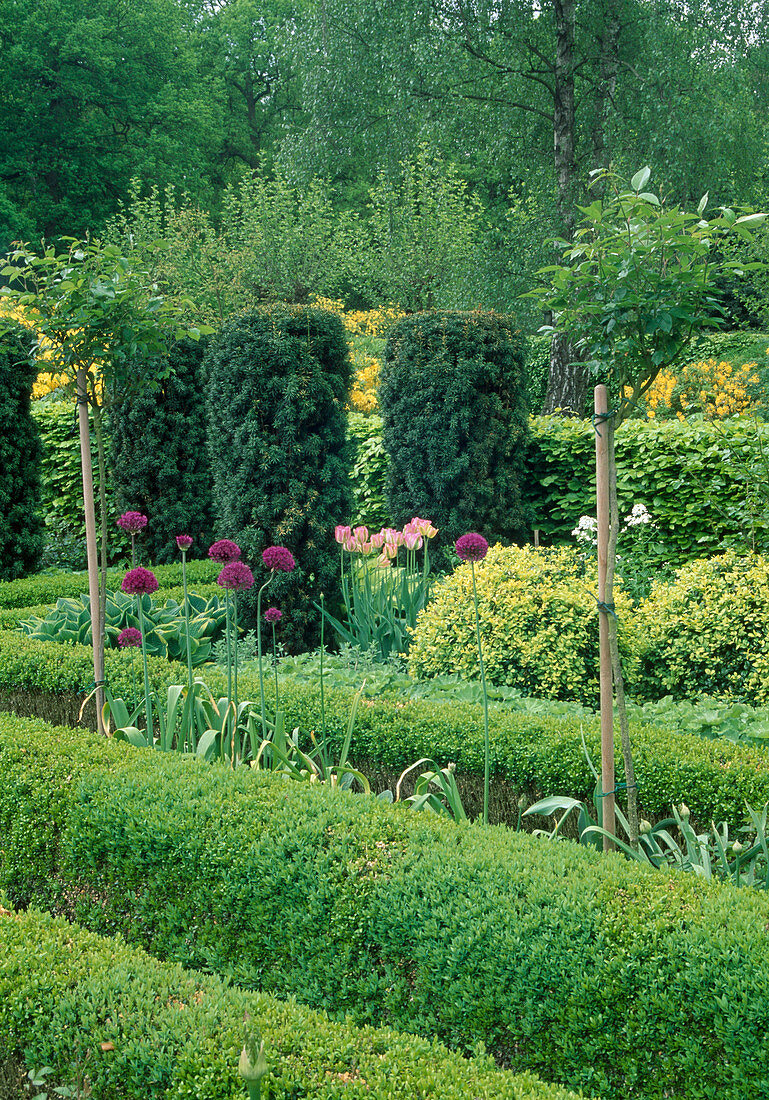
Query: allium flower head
pixel 184 542
pixel 139 582
pixel 224 551
pixel 132 522
pixel 279 559
pixel 273 615
pixel 236 576
pixel 129 637
pixel 472 547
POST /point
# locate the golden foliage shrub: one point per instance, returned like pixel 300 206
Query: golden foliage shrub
pixel 538 620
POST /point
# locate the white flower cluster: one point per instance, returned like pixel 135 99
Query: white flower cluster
pixel 586 531
pixel 639 514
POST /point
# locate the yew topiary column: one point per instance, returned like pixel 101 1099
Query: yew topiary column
pixel 278 383
pixel 21 521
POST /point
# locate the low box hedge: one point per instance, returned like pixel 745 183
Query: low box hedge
pixel 532 755
pixel 46 588
pixel 581 967
pixel 113 1021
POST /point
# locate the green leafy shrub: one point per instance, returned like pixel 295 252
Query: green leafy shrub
pixel 559 959
pixel 21 524
pixel 158 456
pixel 452 395
pixel 165 626
pixel 539 627
pixel 59 986
pixel 369 471
pixel 693 476
pixel 62 486
pixel 279 379
pixel 707 633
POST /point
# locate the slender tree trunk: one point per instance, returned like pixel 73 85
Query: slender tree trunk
pixel 616 660
pixel 90 540
pixel 568 383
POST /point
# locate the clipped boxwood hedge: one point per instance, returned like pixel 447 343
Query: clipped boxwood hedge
pixel 179 1035
pixel 46 588
pixel 534 755
pixel 582 967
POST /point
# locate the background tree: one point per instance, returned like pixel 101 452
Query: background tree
pixel 637 283
pixel 93 95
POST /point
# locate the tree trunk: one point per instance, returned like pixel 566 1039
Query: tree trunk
pixel 568 383
pixel 567 387
pixel 90 541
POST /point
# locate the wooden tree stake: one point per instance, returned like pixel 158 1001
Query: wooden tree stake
pixel 607 699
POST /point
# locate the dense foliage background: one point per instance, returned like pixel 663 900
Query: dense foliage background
pixel 346 129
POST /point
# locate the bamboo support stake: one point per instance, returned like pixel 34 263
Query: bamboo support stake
pixel 90 539
pixel 601 407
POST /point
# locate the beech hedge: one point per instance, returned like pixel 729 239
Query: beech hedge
pixel 579 966
pixel 179 1035
pixel 695 477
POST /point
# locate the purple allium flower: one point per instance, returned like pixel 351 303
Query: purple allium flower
pixel 472 547
pixel 139 582
pixel 273 615
pixel 184 542
pixel 236 576
pixel 129 637
pixel 224 551
pixel 279 559
pixel 132 522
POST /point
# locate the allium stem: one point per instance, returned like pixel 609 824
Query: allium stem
pixel 486 746
pixel 147 701
pixel 235 678
pixel 322 651
pixel 229 649
pixel 259 653
pixel 275 666
pixel 187 623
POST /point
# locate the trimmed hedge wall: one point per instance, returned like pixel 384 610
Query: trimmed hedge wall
pixel 46 588
pixel 690 475
pixel 179 1035
pixel 583 967
pixel 531 755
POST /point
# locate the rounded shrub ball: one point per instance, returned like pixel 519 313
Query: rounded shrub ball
pixel 707 632
pixel 538 620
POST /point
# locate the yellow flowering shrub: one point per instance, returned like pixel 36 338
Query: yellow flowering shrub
pixel 715 388
pixel 707 632
pixel 366 329
pixel 47 381
pixel 538 620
